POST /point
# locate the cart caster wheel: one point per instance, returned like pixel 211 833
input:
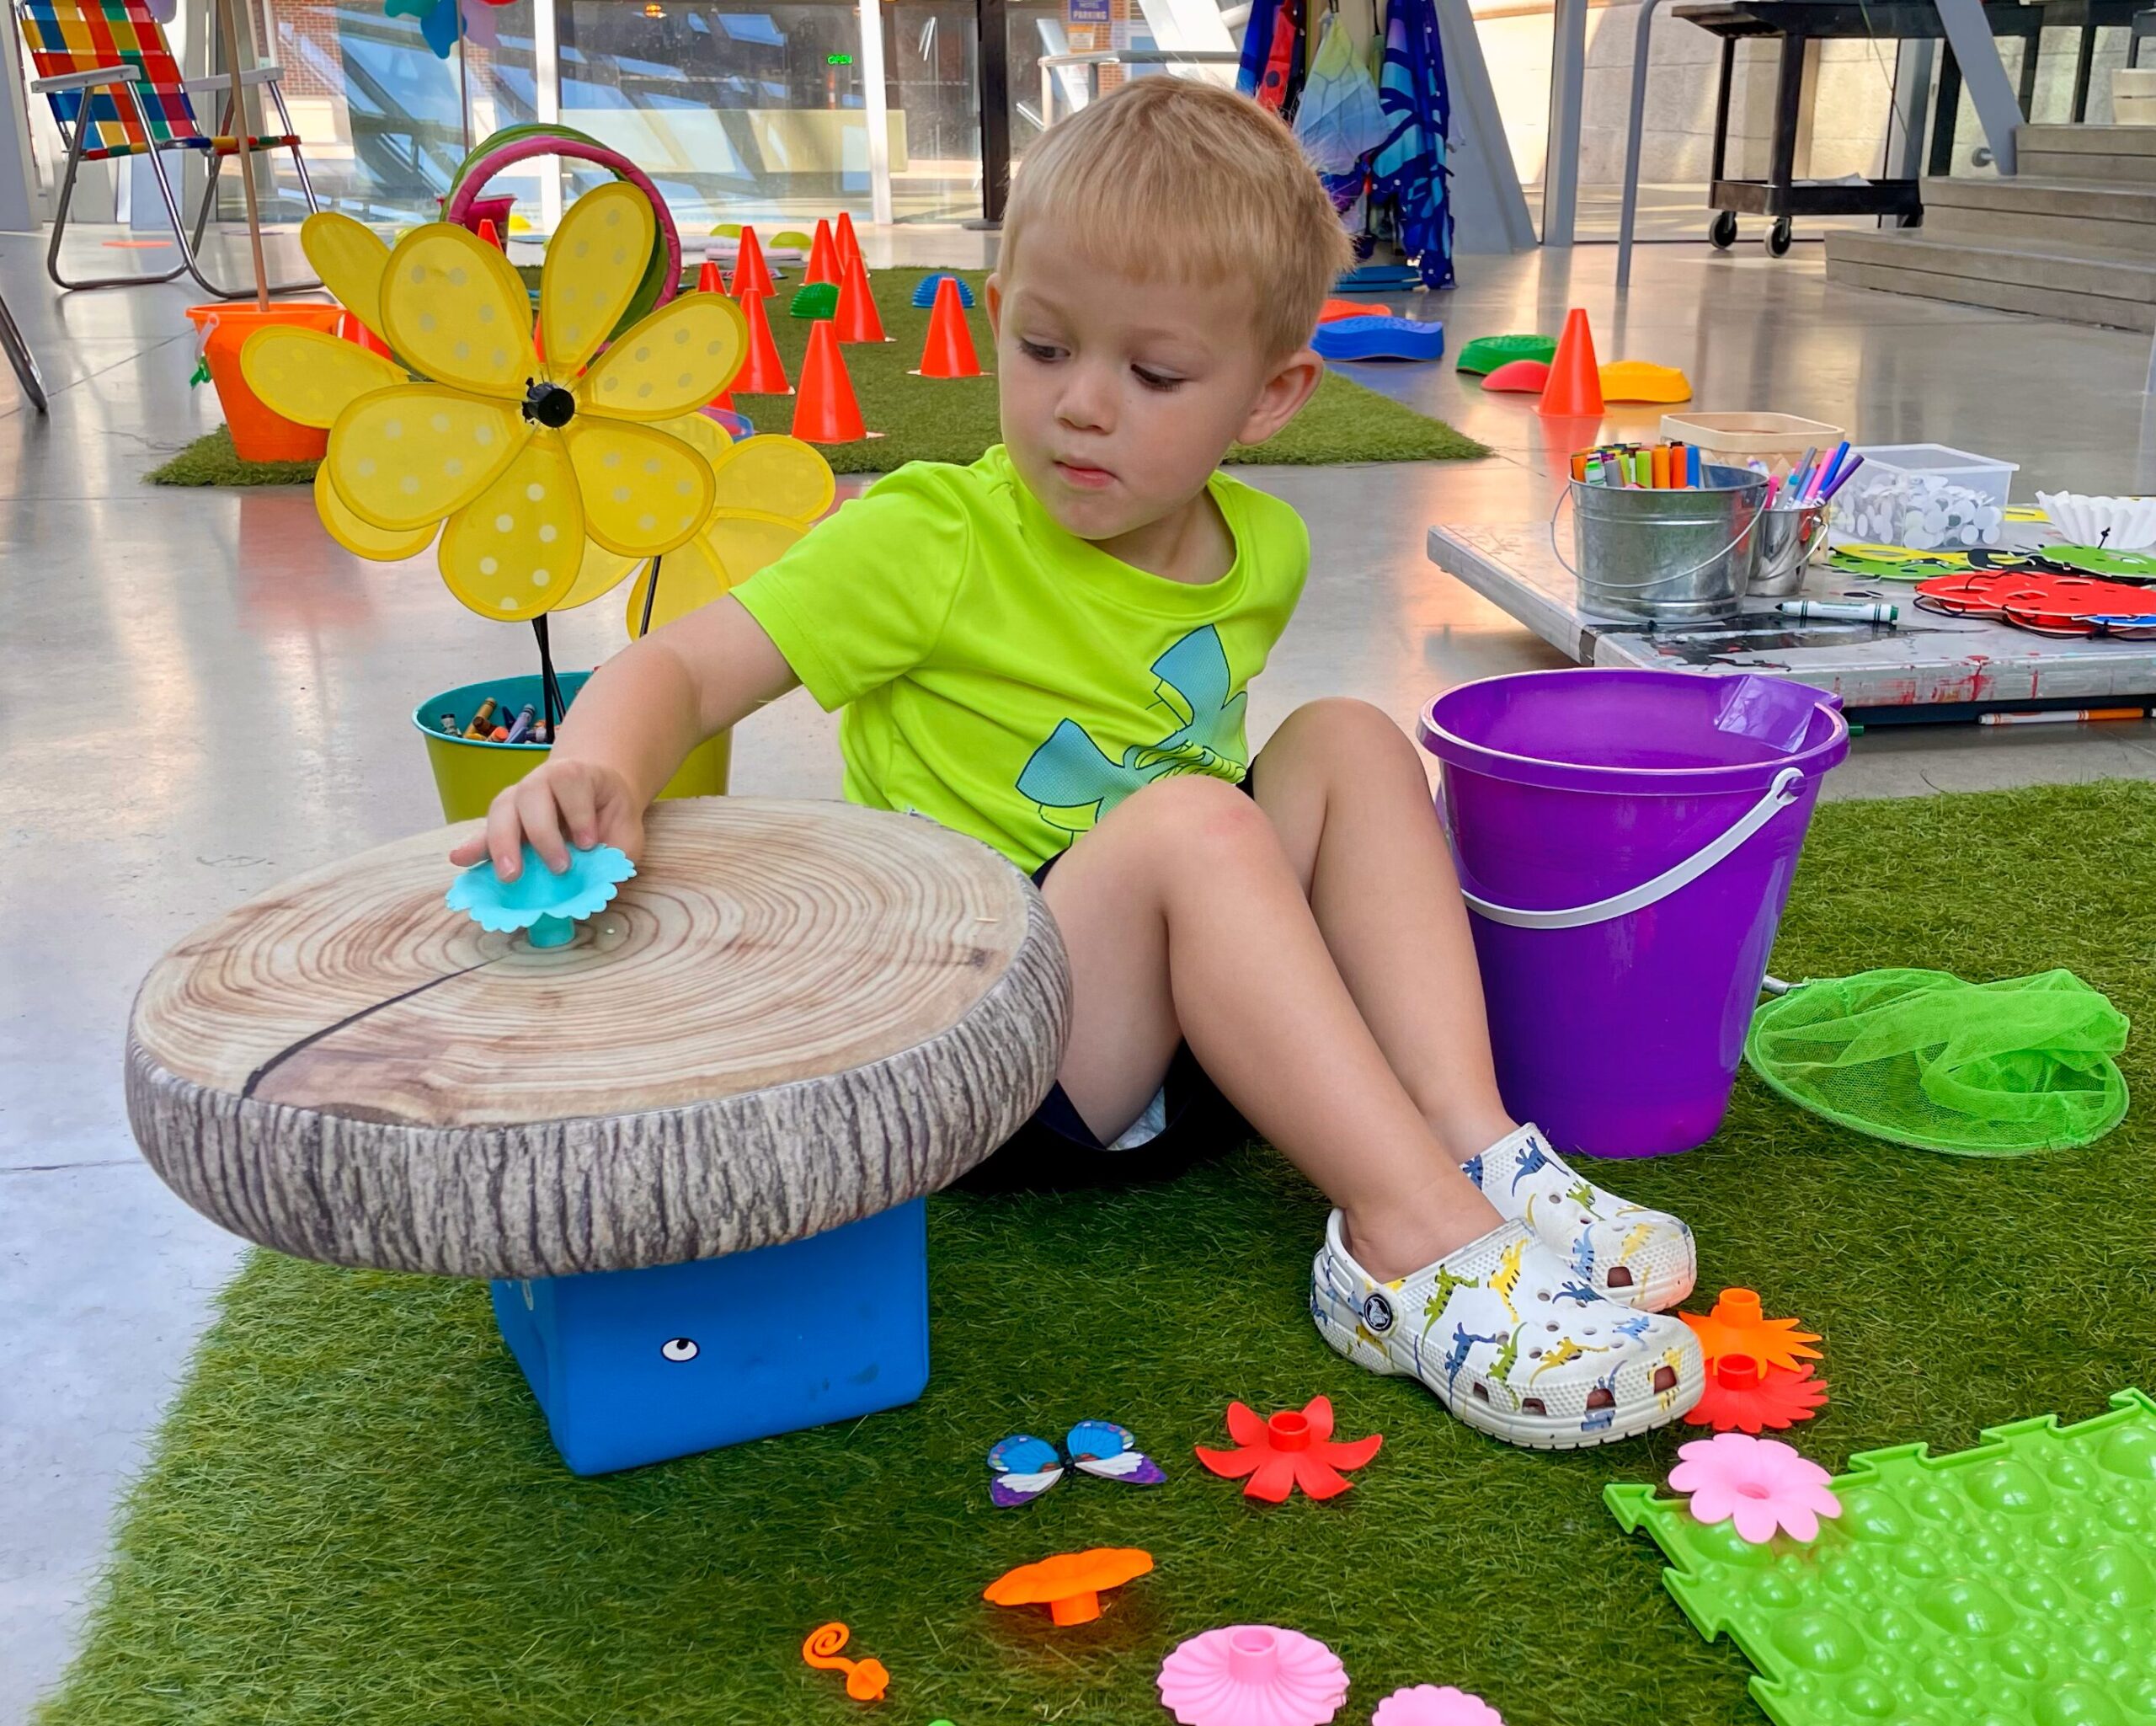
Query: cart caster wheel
pixel 1723 234
pixel 1779 238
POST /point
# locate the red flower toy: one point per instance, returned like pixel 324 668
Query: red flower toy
pixel 1288 1451
pixel 1742 1395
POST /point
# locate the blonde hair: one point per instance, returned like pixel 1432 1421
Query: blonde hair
pixel 1171 177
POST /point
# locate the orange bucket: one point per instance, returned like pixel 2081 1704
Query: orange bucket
pixel 257 434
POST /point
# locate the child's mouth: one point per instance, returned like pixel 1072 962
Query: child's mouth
pixel 1088 478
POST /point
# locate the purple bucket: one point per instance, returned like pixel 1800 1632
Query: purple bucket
pixel 1626 841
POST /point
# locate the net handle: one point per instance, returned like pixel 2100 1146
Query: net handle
pixel 1788 787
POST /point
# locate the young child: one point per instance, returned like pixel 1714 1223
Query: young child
pixel 1049 651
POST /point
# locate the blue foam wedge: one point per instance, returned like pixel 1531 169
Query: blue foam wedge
pixel 1380 339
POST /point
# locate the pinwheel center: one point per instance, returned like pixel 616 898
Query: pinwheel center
pixel 550 404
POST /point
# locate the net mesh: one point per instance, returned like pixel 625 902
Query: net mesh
pixel 1922 1058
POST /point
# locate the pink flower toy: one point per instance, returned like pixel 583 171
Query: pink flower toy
pixel 1252 1675
pixel 1429 1705
pixel 1761 1483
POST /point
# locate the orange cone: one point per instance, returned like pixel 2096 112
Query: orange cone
pixel 849 246
pixel 949 350
pixel 823 257
pixel 1575 386
pixel 826 412
pixel 857 319
pixel 707 281
pixel 752 279
pixel 761 374
pixel 489 234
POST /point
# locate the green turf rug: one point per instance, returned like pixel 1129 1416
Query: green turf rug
pixel 952 420
pixel 352 1515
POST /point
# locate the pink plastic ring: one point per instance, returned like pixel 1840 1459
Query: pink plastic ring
pixel 487 166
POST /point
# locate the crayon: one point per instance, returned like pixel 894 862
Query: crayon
pixel 518 731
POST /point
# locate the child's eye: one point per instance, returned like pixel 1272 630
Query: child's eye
pixel 1041 351
pixel 1155 380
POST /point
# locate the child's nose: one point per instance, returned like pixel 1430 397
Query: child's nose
pixel 1087 402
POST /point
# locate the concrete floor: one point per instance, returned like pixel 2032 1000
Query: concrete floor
pixel 203 696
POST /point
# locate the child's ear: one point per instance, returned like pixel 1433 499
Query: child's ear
pixel 1282 395
pixel 992 290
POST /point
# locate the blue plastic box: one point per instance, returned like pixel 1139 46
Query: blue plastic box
pixel 635 1367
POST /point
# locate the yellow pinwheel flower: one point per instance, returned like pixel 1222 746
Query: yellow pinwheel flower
pixel 529 465
pixel 767 492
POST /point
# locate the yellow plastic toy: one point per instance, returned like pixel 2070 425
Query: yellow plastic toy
pixel 1637 380
pixel 550 477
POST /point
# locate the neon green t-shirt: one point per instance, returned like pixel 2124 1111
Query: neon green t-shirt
pixel 1007 679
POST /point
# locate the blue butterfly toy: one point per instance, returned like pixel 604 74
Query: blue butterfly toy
pixel 1024 1467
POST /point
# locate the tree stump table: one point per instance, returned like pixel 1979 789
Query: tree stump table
pixel 689 1148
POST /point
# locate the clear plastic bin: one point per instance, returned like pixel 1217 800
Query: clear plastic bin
pixel 1925 496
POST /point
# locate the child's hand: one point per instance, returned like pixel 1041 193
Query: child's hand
pixel 591 804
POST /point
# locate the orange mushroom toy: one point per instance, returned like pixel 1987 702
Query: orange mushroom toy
pixel 1070 1584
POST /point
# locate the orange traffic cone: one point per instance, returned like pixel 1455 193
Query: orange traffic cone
pixel 823 257
pixel 826 412
pixel 752 279
pixel 761 374
pixel 707 281
pixel 857 319
pixel 949 350
pixel 1575 385
pixel 849 246
pixel 489 233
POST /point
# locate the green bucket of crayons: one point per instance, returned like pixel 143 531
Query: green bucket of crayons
pixel 469 770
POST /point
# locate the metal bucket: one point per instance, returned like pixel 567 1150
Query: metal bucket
pixel 1787 539
pixel 1674 556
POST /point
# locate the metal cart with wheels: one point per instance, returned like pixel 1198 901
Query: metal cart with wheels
pixel 1780 196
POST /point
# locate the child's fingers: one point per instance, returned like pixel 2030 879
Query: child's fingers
pixel 542 826
pixel 579 806
pixel 470 852
pixel 505 840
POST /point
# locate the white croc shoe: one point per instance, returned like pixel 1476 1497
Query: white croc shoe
pixel 1626 1252
pixel 1510 1343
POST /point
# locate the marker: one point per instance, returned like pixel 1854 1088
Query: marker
pixel 518 731
pixel 1691 464
pixel 1835 611
pixel 450 727
pixel 1832 467
pixel 482 721
pixel 1841 480
pixel 499 734
pixel 2063 716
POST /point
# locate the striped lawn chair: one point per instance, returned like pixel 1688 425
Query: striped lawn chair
pixel 117 91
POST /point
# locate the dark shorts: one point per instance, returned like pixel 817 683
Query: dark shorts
pixel 1056 1149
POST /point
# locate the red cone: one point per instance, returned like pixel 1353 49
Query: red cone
pixel 489 233
pixel 752 278
pixel 822 258
pixel 849 246
pixel 1575 385
pixel 707 281
pixel 857 319
pixel 826 412
pixel 949 350
pixel 761 373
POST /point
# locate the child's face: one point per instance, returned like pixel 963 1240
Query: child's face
pixel 1119 397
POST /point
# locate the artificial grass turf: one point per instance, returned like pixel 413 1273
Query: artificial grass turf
pixel 954 419
pixel 353 1514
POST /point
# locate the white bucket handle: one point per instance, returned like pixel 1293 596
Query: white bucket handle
pixel 1788 786
pixel 1743 533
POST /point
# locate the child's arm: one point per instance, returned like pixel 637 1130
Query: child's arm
pixel 634 721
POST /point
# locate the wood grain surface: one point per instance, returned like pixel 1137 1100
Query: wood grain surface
pixel 795 1015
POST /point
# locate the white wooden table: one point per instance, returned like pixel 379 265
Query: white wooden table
pixel 1929 666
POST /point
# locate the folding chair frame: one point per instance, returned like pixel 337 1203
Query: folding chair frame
pixel 121 80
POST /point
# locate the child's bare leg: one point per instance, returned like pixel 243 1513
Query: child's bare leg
pixel 1185 918
pixel 1345 791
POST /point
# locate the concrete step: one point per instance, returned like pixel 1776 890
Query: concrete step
pixel 2028 212
pixel 2073 284
pixel 2109 155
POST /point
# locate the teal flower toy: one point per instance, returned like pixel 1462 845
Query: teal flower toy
pixel 548 905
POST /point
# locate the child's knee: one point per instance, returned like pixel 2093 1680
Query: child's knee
pixel 1343 723
pixel 1195 809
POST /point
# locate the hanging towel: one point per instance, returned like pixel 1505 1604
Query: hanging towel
pixel 1408 171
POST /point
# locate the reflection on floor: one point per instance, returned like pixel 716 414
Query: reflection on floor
pixel 205 697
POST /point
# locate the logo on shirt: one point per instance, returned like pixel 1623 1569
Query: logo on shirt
pixel 1074 781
